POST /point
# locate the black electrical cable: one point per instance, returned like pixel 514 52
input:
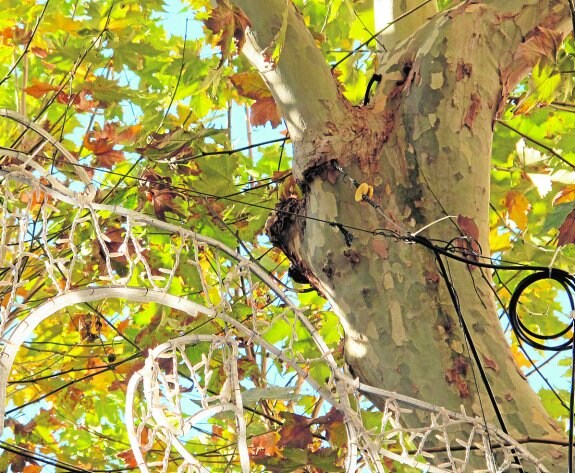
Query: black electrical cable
pixel 539 341
pixel 536 340
pixel 40 458
pixel 473 351
pixel 374 78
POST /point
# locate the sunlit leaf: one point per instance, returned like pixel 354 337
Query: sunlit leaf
pixel 517 207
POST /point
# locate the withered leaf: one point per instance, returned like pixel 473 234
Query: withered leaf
pixel 295 431
pixel 567 230
pixel 39 89
pixel 265 445
pixel 265 110
pixel 102 141
pixel 252 86
pixel 230 22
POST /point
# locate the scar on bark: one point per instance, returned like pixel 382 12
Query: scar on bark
pixel 285 227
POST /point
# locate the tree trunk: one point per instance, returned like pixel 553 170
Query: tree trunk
pixel 424 144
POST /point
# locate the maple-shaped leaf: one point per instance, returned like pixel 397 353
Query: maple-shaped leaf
pixel 265 110
pixel 230 22
pixel 102 141
pixel 567 230
pixel 20 429
pixel 333 422
pixel 252 86
pixel 83 103
pixel 80 101
pixel 160 193
pixel 539 43
pixel 265 445
pixel 16 34
pixel 517 207
pixel 39 89
pixel 295 431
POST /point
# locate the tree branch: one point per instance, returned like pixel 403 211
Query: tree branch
pixel 301 81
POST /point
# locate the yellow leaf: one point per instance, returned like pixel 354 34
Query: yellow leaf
pixel 58 23
pixel 517 206
pixel 567 194
pixel 520 359
pixel 498 240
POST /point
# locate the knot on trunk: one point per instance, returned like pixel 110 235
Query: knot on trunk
pixel 285 227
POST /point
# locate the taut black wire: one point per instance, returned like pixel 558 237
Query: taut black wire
pixel 473 350
pixel 40 458
pixel 538 341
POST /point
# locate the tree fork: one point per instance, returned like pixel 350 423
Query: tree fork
pixel 424 144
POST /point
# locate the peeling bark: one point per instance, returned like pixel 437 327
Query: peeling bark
pixel 424 144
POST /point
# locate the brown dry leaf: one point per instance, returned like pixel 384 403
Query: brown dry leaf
pixel 295 432
pixel 123 325
pixel 83 104
pixel 129 458
pixel 567 230
pixel 19 429
pixel 231 23
pixel 40 52
pixel 160 194
pixel 334 425
pixel 217 432
pixel 109 159
pixel 468 227
pixel 265 110
pixel 114 239
pixel 541 42
pixel 517 206
pixel 163 201
pixel 34 198
pixel 39 89
pixel 102 141
pixel 567 194
pixel 265 445
pixel 252 86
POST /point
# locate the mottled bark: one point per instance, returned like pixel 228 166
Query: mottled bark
pixel 424 144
